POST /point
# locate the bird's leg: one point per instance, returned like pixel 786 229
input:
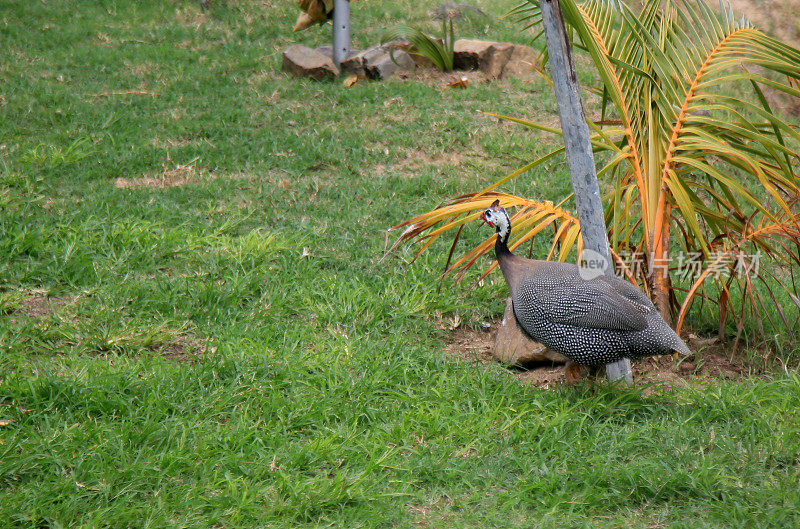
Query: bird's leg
pixel 573 372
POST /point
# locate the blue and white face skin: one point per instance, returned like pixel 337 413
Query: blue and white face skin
pixel 497 218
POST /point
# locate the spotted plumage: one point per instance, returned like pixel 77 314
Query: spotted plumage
pixel 591 321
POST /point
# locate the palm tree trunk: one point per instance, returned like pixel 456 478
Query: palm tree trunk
pixel 658 268
pixel 578 150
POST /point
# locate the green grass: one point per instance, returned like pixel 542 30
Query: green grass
pixel 231 352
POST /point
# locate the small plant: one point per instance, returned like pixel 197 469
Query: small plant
pixel 54 156
pixel 439 50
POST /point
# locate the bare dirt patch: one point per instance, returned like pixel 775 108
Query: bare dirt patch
pixel 192 17
pixel 182 348
pixel 37 304
pixel 419 160
pixel 178 176
pixel 711 362
pixel 172 343
pixel 455 80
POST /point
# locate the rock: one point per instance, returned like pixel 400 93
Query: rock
pixel 486 56
pixel 353 63
pixel 494 65
pixel 469 53
pixel 421 61
pixel 398 44
pixel 513 347
pixel 378 63
pixel 325 50
pixel 302 61
pixel 523 62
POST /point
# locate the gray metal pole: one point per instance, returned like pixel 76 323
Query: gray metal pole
pixel 579 152
pixel 341 30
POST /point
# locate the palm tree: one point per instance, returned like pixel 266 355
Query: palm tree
pixel 693 162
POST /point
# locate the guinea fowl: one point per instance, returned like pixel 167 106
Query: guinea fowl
pixel 590 321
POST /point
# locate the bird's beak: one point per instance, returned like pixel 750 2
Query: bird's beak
pixel 483 217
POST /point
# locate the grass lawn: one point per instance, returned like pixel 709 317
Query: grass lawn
pixel 196 329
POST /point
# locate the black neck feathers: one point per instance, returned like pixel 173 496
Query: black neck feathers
pixel 501 243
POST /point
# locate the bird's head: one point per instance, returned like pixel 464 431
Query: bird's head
pixel 496 217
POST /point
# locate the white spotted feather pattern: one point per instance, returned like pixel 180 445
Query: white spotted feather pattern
pixel 590 321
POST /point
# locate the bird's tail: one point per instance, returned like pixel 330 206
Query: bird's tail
pixel 679 346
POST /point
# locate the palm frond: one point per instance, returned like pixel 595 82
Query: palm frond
pixel 530 219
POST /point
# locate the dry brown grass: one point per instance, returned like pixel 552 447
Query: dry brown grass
pixel 187 141
pixel 178 176
pixel 420 160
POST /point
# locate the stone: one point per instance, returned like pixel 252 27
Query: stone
pixel 325 50
pixel 524 62
pixel 353 63
pixel 356 61
pixel 484 55
pixel 495 63
pixel 378 63
pixel 467 54
pixel 399 44
pixel 302 61
pixel 373 54
pixel 513 347
pixel 421 61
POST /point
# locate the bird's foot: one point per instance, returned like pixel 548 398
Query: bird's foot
pixel 574 372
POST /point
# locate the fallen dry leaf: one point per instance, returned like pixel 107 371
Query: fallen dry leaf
pixel 459 83
pixel 350 81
